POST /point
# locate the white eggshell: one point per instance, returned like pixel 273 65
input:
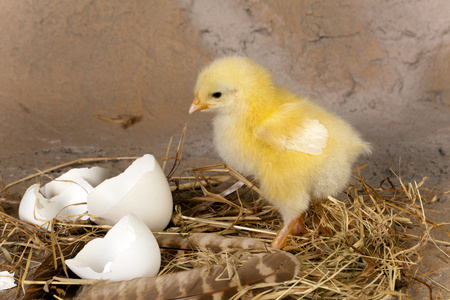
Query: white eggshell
pixel 58 186
pixel 64 196
pixel 6 280
pixel 31 199
pixel 94 176
pixel 129 250
pixel 37 209
pixel 142 189
pixel 85 177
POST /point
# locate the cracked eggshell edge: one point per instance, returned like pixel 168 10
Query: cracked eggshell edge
pixel 148 197
pixel 129 250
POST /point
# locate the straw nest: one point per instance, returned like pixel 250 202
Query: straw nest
pixel 357 247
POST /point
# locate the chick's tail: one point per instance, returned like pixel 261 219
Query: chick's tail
pixel 361 146
pixel 365 148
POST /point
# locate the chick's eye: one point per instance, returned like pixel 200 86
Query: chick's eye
pixel 217 95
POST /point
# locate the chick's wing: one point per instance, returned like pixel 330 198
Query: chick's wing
pixel 288 129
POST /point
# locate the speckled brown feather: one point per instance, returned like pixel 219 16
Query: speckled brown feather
pixel 219 282
pixel 210 241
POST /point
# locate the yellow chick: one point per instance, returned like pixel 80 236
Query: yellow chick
pixel 297 150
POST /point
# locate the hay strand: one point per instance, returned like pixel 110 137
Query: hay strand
pixel 355 247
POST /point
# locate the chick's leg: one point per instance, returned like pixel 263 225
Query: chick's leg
pixel 294 226
pixel 280 239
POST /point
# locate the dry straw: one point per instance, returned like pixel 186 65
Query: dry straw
pixel 357 245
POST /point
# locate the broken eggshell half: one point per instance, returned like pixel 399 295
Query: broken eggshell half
pixel 142 189
pixel 64 197
pixel 129 250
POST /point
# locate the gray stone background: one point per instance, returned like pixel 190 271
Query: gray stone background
pixel 384 66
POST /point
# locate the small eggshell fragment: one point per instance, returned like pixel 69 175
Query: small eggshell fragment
pixel 129 250
pixel 6 280
pixel 142 189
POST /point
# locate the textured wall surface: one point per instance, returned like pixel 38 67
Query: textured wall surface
pixel 382 65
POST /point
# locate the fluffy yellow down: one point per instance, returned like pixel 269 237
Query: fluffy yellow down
pixel 297 150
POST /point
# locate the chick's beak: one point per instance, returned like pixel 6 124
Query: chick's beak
pixel 196 106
